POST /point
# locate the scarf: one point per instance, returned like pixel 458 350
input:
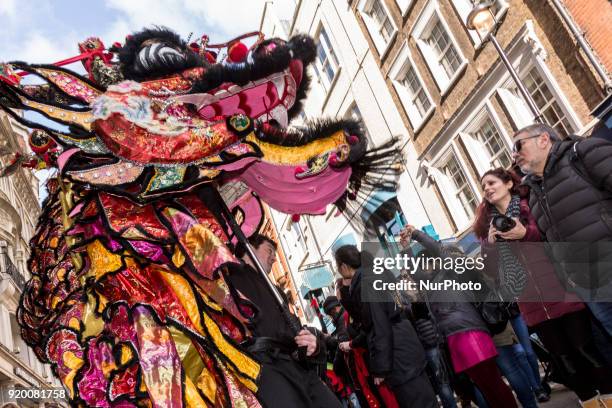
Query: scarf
pixel 512 277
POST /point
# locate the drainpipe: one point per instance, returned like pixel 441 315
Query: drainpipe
pixel 579 35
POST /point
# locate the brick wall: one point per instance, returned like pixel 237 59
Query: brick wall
pixel 572 72
pixel 594 17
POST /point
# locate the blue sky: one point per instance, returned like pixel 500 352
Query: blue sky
pixel 44 31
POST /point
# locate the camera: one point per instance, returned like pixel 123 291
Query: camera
pixel 503 223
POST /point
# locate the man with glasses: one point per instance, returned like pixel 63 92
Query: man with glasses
pixel 571 199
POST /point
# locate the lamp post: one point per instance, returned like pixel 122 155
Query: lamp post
pixel 482 20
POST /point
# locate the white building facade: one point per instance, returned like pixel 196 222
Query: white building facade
pixel 347 82
pixel 19 211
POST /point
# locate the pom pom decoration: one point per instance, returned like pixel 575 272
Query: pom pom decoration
pixel 237 52
pixel 352 139
pixel 295 218
pixel 333 159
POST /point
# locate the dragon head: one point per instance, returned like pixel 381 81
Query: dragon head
pixel 267 85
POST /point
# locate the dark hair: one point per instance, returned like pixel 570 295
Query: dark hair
pixel 128 54
pixel 483 212
pixel 348 255
pixel 537 129
pixel 256 240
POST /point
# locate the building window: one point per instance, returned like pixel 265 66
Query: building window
pixel 326 65
pixel 463 192
pixel 546 102
pixel 417 92
pixel 438 46
pixel 489 137
pixel 353 112
pixel 445 51
pixel 382 19
pixel 299 236
pixel 410 88
pixel 379 23
pixel 551 104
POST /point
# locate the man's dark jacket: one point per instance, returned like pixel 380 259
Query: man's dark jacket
pixel 393 346
pixel 572 203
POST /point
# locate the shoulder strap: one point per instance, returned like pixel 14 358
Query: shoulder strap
pixel 578 165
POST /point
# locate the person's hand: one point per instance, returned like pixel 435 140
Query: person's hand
pixel 308 340
pixel 406 235
pixel 378 380
pixel 345 346
pixel 516 233
pixel 493 233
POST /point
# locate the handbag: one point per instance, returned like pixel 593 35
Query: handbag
pixel 495 315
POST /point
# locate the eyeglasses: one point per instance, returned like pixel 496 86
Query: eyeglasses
pixel 518 145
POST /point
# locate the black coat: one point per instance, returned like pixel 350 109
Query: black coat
pixel 453 311
pixel 572 203
pixel 393 346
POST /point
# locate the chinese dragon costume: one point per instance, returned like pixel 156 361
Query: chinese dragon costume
pixel 127 298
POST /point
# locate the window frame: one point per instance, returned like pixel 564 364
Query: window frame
pixel 518 109
pixel 421 31
pixel 399 67
pixel 461 218
pixel 330 55
pixel 469 138
pixel 349 115
pixel 382 46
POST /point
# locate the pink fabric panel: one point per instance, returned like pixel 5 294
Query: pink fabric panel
pixel 469 348
pixel 237 165
pixel 278 186
pixel 63 158
pixel 252 214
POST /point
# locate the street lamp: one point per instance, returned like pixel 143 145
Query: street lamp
pixel 482 20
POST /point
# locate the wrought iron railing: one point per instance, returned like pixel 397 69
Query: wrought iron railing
pixel 11 270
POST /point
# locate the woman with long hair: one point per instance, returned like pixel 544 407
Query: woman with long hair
pixel 558 317
pixel 471 348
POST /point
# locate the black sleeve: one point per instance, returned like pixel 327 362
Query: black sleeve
pixel 428 242
pixel 331 342
pixel 320 355
pixel 595 155
pixel 380 339
pixel 360 340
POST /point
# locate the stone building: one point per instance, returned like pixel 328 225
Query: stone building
pixel 347 82
pixel 19 210
pixel 411 69
pixel 457 99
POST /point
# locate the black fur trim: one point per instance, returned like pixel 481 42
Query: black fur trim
pixel 128 53
pixel 314 130
pixel 379 169
pixel 299 47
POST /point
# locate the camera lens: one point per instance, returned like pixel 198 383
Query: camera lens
pixel 503 223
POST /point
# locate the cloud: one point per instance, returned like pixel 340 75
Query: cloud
pixel 47 31
pixel 39 48
pixel 221 20
pixel 8 7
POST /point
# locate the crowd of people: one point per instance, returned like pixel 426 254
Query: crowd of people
pixel 452 348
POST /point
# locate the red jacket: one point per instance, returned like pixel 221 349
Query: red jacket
pixel 544 297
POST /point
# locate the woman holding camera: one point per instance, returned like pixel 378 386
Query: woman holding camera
pixel 558 317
